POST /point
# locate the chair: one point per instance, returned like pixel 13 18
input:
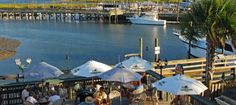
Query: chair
pixel 58 102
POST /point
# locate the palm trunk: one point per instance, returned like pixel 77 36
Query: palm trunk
pixel 189 49
pixel 210 58
pixel 223 50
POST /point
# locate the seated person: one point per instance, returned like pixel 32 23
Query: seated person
pixel 48 87
pixel 54 97
pixel 144 80
pixel 32 98
pixel 101 96
pixel 25 93
pixel 79 93
pixel 62 92
pixel 129 87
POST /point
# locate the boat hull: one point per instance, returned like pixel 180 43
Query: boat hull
pixel 147 22
pixel 199 52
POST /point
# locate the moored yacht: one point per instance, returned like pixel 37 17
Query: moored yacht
pixel 148 18
pixel 198 49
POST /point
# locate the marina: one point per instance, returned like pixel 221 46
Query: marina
pixel 70 52
pixel 86 41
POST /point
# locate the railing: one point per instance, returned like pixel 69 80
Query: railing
pixel 199 100
pixel 224 77
pixel 11 93
pixel 195 68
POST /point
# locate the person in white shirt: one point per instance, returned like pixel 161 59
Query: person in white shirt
pixel 54 97
pixel 25 93
pixel 32 98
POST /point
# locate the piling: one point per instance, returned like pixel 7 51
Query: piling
pixel 141 47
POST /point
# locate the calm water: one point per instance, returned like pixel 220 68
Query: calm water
pixel 51 41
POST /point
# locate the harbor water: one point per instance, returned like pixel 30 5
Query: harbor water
pixel 83 41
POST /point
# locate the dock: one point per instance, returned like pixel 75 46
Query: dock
pixel 75 15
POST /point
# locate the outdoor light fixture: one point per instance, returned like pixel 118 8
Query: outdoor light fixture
pixel 161 65
pixel 28 60
pixel 22 66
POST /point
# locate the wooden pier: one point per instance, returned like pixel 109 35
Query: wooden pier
pixel 74 15
pixel 60 15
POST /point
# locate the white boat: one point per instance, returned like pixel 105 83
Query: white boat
pixel 198 49
pixel 176 32
pixel 148 18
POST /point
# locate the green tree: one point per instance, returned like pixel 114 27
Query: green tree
pixel 215 19
pixel 189 31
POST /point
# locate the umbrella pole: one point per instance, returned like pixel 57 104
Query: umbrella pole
pixel 92 81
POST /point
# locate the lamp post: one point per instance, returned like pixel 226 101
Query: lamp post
pixel 22 66
pixel 161 65
pixel 67 61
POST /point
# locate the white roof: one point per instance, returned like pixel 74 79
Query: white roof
pixel 90 68
pixel 136 64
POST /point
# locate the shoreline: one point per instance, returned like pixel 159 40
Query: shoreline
pixel 8 47
pixel 5 54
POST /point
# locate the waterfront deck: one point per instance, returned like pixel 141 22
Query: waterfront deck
pixel 194 68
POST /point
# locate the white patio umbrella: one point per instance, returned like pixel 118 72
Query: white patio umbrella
pixel 180 85
pixel 90 68
pixel 42 70
pixel 136 64
pixel 120 74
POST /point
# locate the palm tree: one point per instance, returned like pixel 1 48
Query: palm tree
pixel 215 19
pixel 189 31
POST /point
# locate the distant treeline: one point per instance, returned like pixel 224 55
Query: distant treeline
pixel 73 4
pixel 124 0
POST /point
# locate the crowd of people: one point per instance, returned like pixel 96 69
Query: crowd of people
pixel 98 94
pixel 91 95
pixel 47 94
